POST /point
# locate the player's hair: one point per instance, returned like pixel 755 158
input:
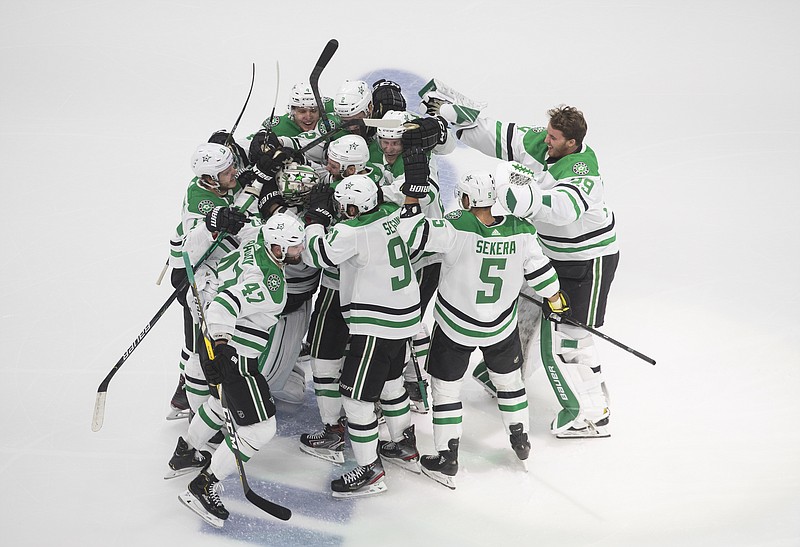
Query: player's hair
pixel 570 121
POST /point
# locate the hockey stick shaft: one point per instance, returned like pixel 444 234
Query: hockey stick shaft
pixel 229 138
pixel 313 79
pixel 420 380
pixel 231 437
pixel 98 416
pixel 596 332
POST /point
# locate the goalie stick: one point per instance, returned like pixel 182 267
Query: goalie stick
pixel 231 437
pixel 574 323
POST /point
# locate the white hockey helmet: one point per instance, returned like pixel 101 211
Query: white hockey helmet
pixel 295 182
pixel 349 150
pixel 354 96
pixel 397 132
pixel 517 190
pixel 479 188
pixel 284 230
pixel 302 96
pixel 358 190
pixel 211 159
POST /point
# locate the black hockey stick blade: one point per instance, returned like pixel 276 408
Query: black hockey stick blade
pixel 605 337
pixel 277 511
pixel 324 59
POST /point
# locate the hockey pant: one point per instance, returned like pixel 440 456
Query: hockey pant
pixel 572 366
pixel 279 362
pixel 362 422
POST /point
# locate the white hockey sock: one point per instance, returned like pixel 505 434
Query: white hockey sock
pixel 447 411
pixel 250 438
pixel 396 408
pixel 326 388
pixel 362 428
pixel 512 400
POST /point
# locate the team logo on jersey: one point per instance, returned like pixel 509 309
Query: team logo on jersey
pixel 321 126
pixel 205 206
pixel 454 214
pixel 273 121
pixel 273 282
pixel 580 168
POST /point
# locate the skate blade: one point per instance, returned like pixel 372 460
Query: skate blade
pixel 334 456
pixel 446 480
pixel 524 464
pixel 601 432
pixel 418 407
pixel 408 465
pixel 367 490
pixel 192 503
pixel 178 414
pixel 172 473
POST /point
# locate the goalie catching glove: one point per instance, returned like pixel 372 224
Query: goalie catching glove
pixel 417 170
pixel 427 133
pixel 555 311
pixel 320 205
pixel 224 364
pixel 225 219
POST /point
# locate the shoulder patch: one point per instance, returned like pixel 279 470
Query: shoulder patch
pixel 580 168
pixel 273 282
pixel 205 206
pixel 452 215
pixel 273 121
pixel 321 125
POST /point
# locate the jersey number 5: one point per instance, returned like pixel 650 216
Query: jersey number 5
pixel 496 283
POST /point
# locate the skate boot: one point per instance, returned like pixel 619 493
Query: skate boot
pixel 402 453
pixel 520 443
pixel 442 468
pixel 591 430
pixel 185 460
pixel 305 355
pixel 415 395
pixel 327 444
pixel 179 405
pixel 364 480
pixel 202 497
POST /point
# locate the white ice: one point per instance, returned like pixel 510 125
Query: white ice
pixel 693 112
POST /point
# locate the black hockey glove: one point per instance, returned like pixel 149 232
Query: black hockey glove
pixel 555 311
pixel 266 170
pixel 262 141
pixel 429 133
pixel 320 205
pixel 227 219
pixel 223 366
pixel 386 96
pixel 221 137
pixel 417 170
pixel 177 277
pixel 245 177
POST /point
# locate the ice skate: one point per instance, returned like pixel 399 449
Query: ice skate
pixel 304 356
pixel 179 405
pixel 592 430
pixel 185 460
pixel 327 444
pixel 402 453
pixel 442 468
pixel 520 444
pixel 202 497
pixel 364 480
pixel 415 396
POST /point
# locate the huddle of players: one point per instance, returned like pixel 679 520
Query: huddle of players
pixel 360 224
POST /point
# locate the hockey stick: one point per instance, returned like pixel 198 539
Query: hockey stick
pixel 605 337
pixel 420 381
pixel 313 80
pixel 100 399
pixel 231 437
pixel 229 138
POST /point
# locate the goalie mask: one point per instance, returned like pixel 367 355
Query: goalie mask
pixel 396 133
pixel 517 190
pixel 287 232
pixel 353 97
pixel 295 182
pixel 349 151
pixel 358 190
pixel 479 188
pixel 211 159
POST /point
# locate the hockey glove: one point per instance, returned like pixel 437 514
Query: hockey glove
pixel 245 177
pixel 555 311
pixel 417 170
pixel 320 206
pixel 428 133
pixel 266 170
pixel 224 364
pixel 386 96
pixel 227 219
pixel 262 141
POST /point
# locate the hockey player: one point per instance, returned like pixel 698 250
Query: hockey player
pixel 251 296
pixel 486 260
pixel 380 304
pixel 563 195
